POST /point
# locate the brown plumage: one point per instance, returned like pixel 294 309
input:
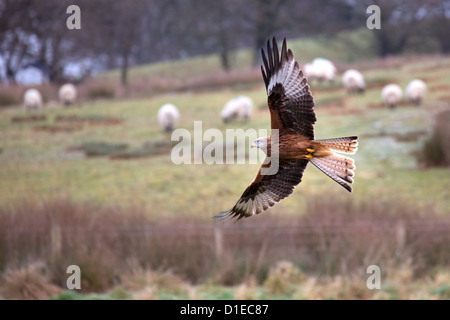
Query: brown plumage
pixel 291 107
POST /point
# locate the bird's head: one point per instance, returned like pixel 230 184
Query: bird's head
pixel 260 143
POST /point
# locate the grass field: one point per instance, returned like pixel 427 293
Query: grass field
pixel 37 162
pixel 42 160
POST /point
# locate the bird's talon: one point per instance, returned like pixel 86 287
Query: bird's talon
pixel 310 150
pixel 308 156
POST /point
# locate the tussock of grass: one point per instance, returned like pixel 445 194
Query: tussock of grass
pixel 11 95
pixel 29 118
pixel 146 282
pixel 283 278
pixel 91 119
pixel 436 149
pixel 28 282
pixel 122 151
pixel 149 148
pixel 133 154
pixel 99 148
pixel 58 128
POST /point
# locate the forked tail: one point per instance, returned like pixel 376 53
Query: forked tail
pixel 345 145
pixel 338 167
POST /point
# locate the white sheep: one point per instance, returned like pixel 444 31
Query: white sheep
pixel 67 94
pixel 168 116
pixel 353 81
pixel 415 91
pixel 239 107
pixel 392 94
pixel 32 99
pixel 308 71
pixel 320 69
pixel 324 69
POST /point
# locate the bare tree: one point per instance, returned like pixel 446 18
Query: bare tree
pixel 265 23
pixel 14 41
pixel 114 29
pixel 400 20
pixel 439 24
pixel 53 39
pixel 119 34
pixel 220 27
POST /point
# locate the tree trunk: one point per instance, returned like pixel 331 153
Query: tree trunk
pixel 224 51
pixel 10 75
pixel 265 25
pixel 124 69
pixel 441 33
pixel 225 60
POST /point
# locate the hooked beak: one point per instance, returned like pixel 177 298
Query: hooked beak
pixel 253 145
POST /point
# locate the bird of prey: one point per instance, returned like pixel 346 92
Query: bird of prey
pixel 291 107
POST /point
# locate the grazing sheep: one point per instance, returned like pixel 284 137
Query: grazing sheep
pixel 67 94
pixel 320 69
pixel 391 95
pixel 168 116
pixel 308 71
pixel 324 69
pixel 239 107
pixel 32 99
pixel 353 81
pixel 415 91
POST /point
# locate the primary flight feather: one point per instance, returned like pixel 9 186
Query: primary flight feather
pixel 291 145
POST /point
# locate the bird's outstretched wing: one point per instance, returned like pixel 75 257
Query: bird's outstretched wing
pixel 291 107
pixel 266 190
pixel 290 101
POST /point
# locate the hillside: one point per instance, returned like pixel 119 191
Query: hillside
pixel 109 156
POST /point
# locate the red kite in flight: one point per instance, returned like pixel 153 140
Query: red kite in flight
pixel 292 116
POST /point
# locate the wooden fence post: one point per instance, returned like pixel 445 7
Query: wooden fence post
pixel 55 241
pixel 218 240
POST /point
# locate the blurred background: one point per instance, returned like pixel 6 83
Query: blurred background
pixel 86 176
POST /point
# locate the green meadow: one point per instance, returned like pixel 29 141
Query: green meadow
pixel 39 163
pixel 43 160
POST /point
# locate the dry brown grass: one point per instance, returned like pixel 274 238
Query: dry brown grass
pixel 337 287
pixel 28 282
pixel 146 282
pixel 247 290
pixel 12 95
pixel 436 149
pixel 61 234
pixel 282 278
pixel 338 238
pixel 94 89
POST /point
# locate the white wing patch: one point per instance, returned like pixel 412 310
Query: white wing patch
pixel 291 77
pixel 262 201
